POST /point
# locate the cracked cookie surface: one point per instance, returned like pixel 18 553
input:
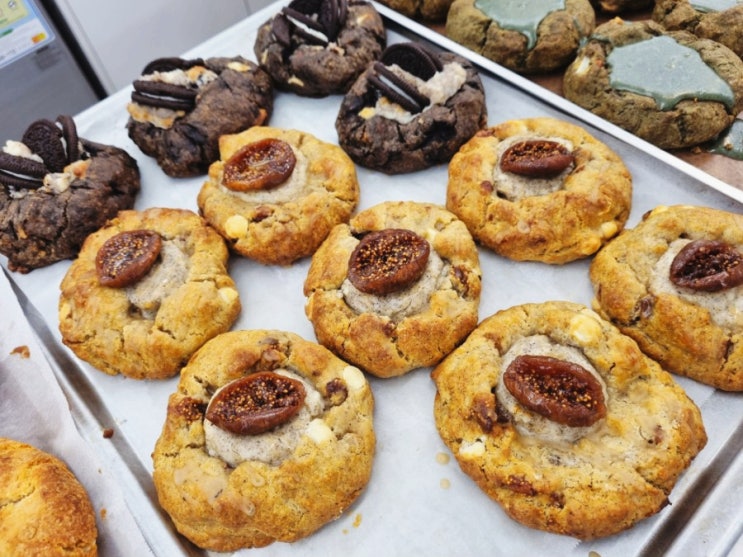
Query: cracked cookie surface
pixel 592 483
pixel 150 329
pixel 44 509
pixel 324 465
pixel 392 334
pixel 690 333
pixel 282 224
pixel 553 220
pixel 536 43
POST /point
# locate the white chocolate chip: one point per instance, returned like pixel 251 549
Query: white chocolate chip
pixel 585 329
pixel 471 450
pixel 354 378
pixel 228 294
pixel 236 226
pixel 319 431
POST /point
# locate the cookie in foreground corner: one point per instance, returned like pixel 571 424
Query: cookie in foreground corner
pixel 268 438
pixel 395 289
pixel 589 463
pixel 46 510
pixel 147 290
pixel 674 283
pixel 539 189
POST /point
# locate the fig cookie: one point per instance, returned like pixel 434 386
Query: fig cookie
pixel 276 194
pixel 411 110
pixel 563 421
pixel 674 283
pixel 670 88
pixel 55 189
pixel 147 290
pixel 45 510
pixel 180 107
pixel 316 48
pixel 717 20
pixel 539 189
pixel 395 289
pixel 268 437
pixel 525 37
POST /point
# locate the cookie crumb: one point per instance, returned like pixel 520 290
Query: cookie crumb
pixel 108 433
pixel 22 351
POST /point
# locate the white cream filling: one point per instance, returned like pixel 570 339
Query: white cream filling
pixel 296 186
pixel 531 424
pixel 725 307
pixel 515 187
pixel 271 447
pixel 53 182
pixel 398 305
pixel 169 274
pixel 439 88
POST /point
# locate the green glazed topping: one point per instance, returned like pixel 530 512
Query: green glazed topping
pixel 714 5
pixel 523 16
pixel 668 72
pixel 730 143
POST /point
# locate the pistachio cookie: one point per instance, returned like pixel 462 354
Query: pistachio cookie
pixel 267 438
pixel 539 189
pixel 526 37
pixel 563 421
pixel 45 509
pixel 674 283
pixel 146 291
pixel 670 88
pixel 411 110
pixel 179 108
pixel 275 194
pixel 431 11
pixel 55 189
pixel 718 20
pixel 317 48
pixel 395 289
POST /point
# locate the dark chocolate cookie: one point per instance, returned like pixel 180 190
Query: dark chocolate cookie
pixel 46 214
pixel 411 110
pixel 670 88
pixel 317 48
pixel 180 108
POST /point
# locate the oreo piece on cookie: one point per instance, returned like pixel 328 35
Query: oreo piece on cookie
pixel 55 189
pixel 317 48
pixel 411 110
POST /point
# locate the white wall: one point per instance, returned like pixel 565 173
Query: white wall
pixel 121 37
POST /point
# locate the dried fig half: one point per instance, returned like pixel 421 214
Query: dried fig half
pixel 536 158
pixel 561 391
pixel 707 266
pixel 387 261
pixel 126 257
pixel 256 403
pixel 262 164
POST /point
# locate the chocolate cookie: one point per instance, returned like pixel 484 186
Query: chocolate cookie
pixel 719 21
pixel 276 194
pixel 180 108
pixel 539 189
pixel 147 290
pixel 267 438
pixel 396 289
pixel 563 421
pixel 671 88
pixel 411 110
pixel 45 509
pixel 55 189
pixel 674 283
pixel 317 48
pixel 526 37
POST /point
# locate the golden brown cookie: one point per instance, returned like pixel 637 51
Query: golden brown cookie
pixel 539 189
pixel 279 222
pixel 45 510
pixel 147 327
pixel 684 308
pixel 432 11
pixel 227 487
pixel 395 326
pixel 588 464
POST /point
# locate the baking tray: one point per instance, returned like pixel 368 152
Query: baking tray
pixel 417 501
